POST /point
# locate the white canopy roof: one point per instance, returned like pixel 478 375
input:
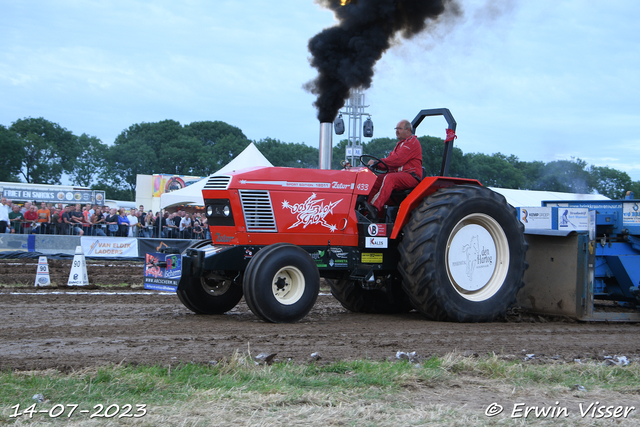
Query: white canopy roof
pixel 531 198
pixel 192 195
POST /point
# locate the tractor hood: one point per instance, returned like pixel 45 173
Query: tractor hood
pixel 358 180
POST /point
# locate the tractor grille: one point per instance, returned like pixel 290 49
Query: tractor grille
pixel 258 211
pixel 218 183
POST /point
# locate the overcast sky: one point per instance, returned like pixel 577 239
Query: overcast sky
pixel 543 80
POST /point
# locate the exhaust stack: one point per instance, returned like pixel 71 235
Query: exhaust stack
pixel 326 145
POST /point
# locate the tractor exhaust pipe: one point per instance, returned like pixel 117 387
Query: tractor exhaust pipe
pixel 326 145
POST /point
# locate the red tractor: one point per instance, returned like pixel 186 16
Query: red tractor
pixel 450 248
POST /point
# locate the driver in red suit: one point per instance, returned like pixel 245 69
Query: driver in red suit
pixel 405 168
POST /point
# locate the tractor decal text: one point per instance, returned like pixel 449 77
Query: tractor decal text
pixel 312 211
pixel 288 184
pixel 221 238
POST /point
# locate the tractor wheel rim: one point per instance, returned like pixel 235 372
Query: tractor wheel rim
pixel 477 257
pixel 288 285
pixel 215 287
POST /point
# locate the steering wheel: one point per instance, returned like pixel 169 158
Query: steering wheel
pixel 375 168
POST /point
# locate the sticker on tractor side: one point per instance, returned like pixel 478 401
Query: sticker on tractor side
pixel 377 230
pixel 330 258
pixel 248 253
pixel 371 258
pixel 312 211
pixel 376 242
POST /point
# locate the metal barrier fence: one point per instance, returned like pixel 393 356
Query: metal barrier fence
pixel 19 245
pixel 84 229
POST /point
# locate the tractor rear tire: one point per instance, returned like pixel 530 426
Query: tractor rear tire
pixel 281 283
pixel 463 255
pixel 390 300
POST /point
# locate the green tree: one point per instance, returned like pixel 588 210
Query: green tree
pixel 569 176
pixel 222 142
pixel 432 155
pixel 11 157
pixel 199 148
pixel 379 147
pixel 134 152
pixel 91 161
pixel 635 188
pixel 610 182
pixel 532 172
pixel 496 170
pixel 114 191
pixel 288 154
pixel 49 150
pixel 338 155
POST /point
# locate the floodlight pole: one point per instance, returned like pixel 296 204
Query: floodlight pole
pixel 355 109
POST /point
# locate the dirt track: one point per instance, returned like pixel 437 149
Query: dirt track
pixel 72 328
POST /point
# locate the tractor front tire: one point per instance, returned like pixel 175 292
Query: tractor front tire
pixel 281 283
pixel 463 255
pixel 208 294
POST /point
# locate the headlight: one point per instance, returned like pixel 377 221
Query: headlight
pixel 219 212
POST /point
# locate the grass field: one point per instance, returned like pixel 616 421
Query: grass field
pixel 454 390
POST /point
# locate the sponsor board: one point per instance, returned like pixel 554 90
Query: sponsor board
pixel 45 194
pixel 109 247
pixel 162 271
pixel 160 287
pixel 630 213
pixel 536 218
pixel 573 219
pixel 156 245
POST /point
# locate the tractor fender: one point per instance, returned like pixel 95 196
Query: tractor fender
pixel 426 187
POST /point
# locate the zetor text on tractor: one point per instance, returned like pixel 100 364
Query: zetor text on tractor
pixel 450 248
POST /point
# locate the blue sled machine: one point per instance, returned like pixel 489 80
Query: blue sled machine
pixel 584 259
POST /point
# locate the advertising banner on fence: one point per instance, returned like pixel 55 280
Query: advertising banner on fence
pixel 146 246
pixel 109 247
pixel 47 194
pixel 162 271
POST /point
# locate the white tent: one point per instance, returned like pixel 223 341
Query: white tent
pixel 192 195
pixel 531 198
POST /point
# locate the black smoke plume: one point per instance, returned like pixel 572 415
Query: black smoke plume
pixel 345 54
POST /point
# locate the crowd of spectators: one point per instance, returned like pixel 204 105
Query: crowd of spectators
pixel 95 220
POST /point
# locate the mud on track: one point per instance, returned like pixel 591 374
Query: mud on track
pixel 73 328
